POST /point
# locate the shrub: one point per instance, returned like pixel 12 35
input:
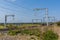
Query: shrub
pixel 13 32
pixel 35 32
pixel 50 35
pixel 58 23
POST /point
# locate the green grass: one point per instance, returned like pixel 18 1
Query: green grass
pixel 28 25
pixel 35 32
pixel 50 35
pixel 2 27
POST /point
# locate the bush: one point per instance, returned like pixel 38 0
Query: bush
pixel 35 32
pixel 58 23
pixel 50 35
pixel 13 32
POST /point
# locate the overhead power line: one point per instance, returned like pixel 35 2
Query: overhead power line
pixel 8 9
pixel 19 5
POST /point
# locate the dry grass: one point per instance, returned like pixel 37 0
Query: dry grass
pixel 19 37
pixel 54 28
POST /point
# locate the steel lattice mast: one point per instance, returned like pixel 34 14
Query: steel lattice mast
pixel 6 18
pixel 46 13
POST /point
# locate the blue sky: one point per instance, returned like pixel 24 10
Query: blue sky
pixel 23 9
